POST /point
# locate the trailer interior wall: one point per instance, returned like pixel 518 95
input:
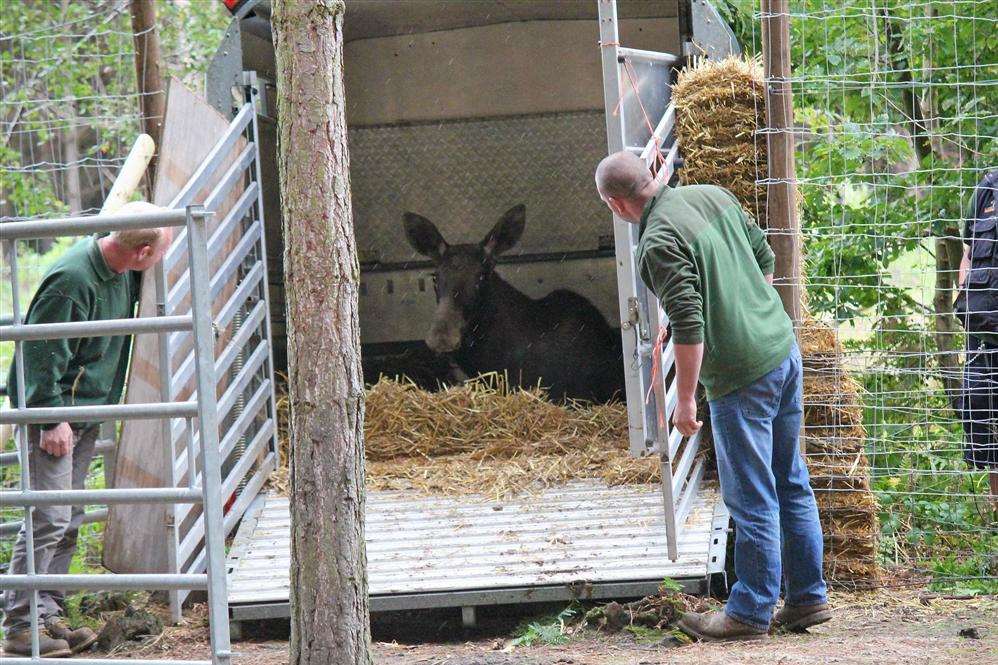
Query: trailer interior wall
pixel 459 125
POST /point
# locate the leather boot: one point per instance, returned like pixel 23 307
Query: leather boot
pixel 796 619
pixel 719 627
pixel 19 644
pixel 79 640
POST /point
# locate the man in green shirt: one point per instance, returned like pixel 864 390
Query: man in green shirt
pixel 97 278
pixel 712 270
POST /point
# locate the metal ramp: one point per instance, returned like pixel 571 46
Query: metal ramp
pixel 582 540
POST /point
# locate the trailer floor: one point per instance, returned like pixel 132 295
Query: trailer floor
pixel 580 540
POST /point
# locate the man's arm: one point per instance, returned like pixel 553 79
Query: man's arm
pixel 688 360
pixel 45 364
pixel 671 274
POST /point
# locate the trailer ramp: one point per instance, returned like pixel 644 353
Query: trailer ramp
pixel 582 540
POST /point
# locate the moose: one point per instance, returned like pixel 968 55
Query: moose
pixel 483 324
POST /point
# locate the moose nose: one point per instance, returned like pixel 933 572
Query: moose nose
pixel 443 341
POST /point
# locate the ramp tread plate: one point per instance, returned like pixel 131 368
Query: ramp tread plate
pixel 581 532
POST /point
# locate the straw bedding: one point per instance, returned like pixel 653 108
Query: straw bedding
pixel 485 438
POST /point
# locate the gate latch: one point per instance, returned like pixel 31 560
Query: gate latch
pixel 634 320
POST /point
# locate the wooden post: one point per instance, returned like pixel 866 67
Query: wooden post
pixel 781 194
pixel 329 605
pixel 149 75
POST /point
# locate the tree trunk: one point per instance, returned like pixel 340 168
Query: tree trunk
pixel 329 604
pixel 948 252
pixel 149 76
pixel 71 156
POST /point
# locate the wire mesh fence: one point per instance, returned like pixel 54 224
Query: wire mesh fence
pixel 895 112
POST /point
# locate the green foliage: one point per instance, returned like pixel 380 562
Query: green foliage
pixel 548 630
pixel 873 198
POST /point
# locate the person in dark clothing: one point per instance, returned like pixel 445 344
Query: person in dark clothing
pixel 977 308
pixel 98 278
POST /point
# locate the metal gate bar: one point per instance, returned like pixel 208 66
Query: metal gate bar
pixel 641 127
pixel 204 409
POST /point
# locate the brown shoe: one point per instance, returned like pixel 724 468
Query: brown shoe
pixel 797 619
pixel 719 627
pixel 79 640
pixel 19 644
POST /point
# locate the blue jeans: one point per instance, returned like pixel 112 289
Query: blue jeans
pixel 766 488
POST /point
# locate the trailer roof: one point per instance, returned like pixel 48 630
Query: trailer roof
pixel 382 18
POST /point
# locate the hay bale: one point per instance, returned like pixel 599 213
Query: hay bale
pixel 719 106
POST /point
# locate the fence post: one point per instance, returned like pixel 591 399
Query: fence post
pixel 211 479
pixel 781 190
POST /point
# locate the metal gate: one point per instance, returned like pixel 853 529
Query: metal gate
pixel 205 482
pixel 640 118
pixel 240 309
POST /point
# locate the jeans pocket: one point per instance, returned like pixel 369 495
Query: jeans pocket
pixel 761 398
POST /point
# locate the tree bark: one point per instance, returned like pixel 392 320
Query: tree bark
pixel 949 251
pixel 71 156
pixel 149 76
pixel 329 604
pixel 781 195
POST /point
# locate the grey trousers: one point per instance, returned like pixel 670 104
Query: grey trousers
pixel 55 527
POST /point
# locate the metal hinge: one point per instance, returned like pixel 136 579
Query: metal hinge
pixel 635 320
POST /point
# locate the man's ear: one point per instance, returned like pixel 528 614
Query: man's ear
pixel 616 207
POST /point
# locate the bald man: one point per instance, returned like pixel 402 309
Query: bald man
pixel 97 278
pixel 710 266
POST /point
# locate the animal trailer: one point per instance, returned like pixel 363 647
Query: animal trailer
pixel 459 111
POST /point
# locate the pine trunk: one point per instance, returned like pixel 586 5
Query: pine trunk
pixel 329 605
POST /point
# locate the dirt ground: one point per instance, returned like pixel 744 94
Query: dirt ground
pixel 883 627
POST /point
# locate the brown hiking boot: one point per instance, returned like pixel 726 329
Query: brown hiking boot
pixel 797 619
pixel 19 644
pixel 79 640
pixel 719 627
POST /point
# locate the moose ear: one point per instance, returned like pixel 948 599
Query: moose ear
pixel 506 233
pixel 424 236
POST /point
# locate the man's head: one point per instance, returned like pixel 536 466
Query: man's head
pixel 625 184
pixel 137 249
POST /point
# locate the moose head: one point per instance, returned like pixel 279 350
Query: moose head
pixel 461 272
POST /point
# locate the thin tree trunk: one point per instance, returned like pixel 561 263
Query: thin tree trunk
pixel 71 157
pixel 149 76
pixel 947 247
pixel 329 604
pixel 948 251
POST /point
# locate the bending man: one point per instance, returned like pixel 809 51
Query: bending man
pixel 95 279
pixel 712 269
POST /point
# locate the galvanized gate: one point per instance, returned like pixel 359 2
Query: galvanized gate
pixel 640 118
pixel 240 309
pixel 205 481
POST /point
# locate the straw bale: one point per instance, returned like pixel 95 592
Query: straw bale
pixel 719 106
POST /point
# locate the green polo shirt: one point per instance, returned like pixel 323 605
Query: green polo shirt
pixel 84 371
pixel 706 259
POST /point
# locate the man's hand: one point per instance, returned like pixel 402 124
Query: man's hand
pixel 58 441
pixel 684 418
